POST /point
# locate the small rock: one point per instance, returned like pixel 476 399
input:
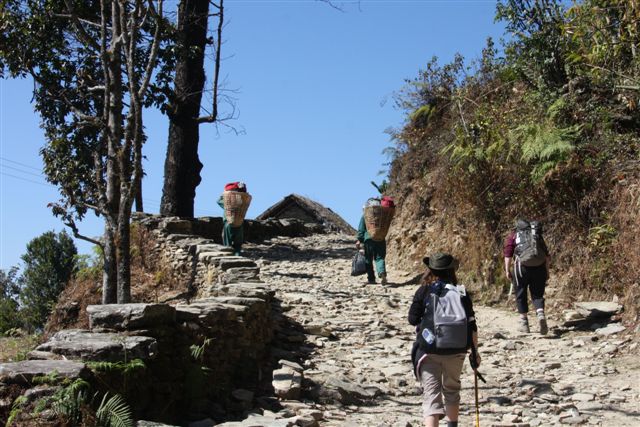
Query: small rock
pixel 510 418
pixel 287 383
pixel 611 329
pixel 582 397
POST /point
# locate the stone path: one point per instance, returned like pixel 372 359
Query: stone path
pixel 358 342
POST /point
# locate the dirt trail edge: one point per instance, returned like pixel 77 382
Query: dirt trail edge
pixel 358 371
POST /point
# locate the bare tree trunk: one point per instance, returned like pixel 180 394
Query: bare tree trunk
pixel 114 138
pixel 138 182
pixel 109 276
pixel 182 166
pixel 124 258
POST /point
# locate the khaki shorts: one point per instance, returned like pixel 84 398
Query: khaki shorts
pixel 440 377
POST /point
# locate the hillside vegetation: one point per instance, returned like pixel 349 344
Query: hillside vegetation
pixel 545 127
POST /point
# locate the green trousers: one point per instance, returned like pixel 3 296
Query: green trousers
pixel 375 252
pixel 232 236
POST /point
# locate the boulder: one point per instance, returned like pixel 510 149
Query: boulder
pixel 130 316
pixel 85 345
pixel 287 383
pixel 598 308
pixel 24 372
pixel 611 329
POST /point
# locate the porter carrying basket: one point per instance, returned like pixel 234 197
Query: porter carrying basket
pixel 378 220
pixel 236 204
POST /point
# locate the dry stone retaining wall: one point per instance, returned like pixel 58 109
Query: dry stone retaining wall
pixel 191 249
pixel 227 314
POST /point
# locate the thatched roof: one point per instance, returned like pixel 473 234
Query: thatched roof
pixel 296 206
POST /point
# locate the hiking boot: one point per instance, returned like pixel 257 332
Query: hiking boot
pixel 543 325
pixel 383 279
pixel 523 326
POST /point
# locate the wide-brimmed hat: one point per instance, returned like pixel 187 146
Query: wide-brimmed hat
pixel 440 261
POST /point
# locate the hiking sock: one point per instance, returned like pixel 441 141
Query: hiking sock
pixel 452 424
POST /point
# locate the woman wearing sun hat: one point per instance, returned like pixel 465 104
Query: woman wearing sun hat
pixel 438 367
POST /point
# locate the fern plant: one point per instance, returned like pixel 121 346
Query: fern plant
pixel 16 409
pixel 69 400
pixel 70 407
pixel 114 412
pixel 125 367
pixel 545 146
pixel 197 351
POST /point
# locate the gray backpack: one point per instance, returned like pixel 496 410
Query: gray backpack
pixel 444 325
pixel 530 247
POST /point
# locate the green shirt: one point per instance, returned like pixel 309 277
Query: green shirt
pixel 363 234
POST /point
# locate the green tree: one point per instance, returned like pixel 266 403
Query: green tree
pixel 538 49
pixel 49 264
pixel 92 63
pixel 8 299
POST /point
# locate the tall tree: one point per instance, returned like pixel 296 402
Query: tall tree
pixel 182 165
pixel 92 63
pixel 538 47
pixel 9 299
pixel 49 263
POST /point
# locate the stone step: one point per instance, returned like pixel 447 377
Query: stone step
pixel 225 262
pixel 24 372
pixel 241 274
pixel 130 316
pixel 213 247
pixel 85 345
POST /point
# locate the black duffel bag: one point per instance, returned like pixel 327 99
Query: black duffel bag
pixel 358 265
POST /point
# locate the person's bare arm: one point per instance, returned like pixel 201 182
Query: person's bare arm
pixel 507 266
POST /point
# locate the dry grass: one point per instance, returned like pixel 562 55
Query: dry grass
pixel 150 279
pixel 581 269
pixel 14 349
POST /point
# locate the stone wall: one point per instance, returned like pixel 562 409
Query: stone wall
pixel 202 342
pixel 191 251
pixel 196 350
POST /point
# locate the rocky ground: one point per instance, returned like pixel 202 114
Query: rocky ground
pixel 357 371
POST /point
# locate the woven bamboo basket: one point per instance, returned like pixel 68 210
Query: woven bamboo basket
pixel 378 220
pixel 236 204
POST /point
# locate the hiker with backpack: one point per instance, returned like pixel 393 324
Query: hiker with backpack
pixel 375 245
pixel 526 265
pixel 235 206
pixel 446 328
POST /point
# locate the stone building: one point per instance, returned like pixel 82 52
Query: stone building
pixel 309 211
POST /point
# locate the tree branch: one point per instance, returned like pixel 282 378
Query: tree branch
pixel 82 33
pixel 211 118
pixel 76 233
pixel 154 48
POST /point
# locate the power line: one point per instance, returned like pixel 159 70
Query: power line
pixel 21 171
pixel 20 164
pixel 156 204
pixel 27 180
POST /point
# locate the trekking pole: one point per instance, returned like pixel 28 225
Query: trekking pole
pixel 476 375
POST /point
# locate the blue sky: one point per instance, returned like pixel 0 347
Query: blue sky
pixel 313 89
